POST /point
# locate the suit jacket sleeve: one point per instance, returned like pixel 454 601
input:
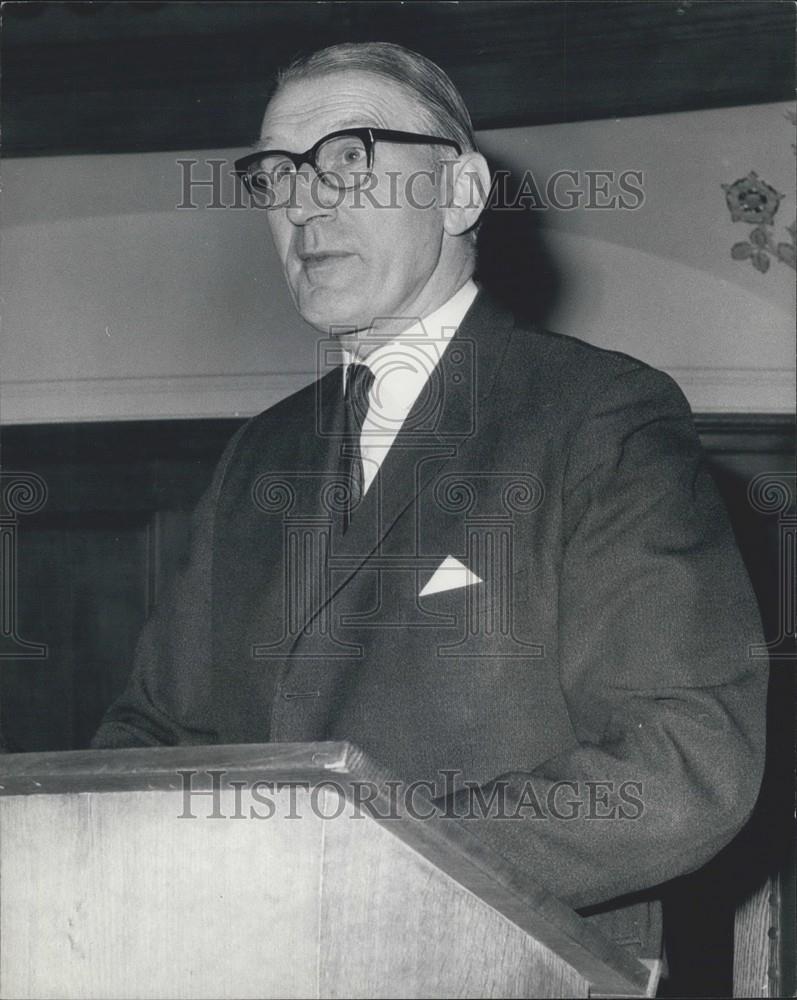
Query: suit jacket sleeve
pixel 656 620
pixel 167 696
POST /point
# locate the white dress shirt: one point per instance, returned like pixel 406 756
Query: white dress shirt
pixel 402 366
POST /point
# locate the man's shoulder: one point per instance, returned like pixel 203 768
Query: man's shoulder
pixel 539 358
pixel 292 410
pixel 574 372
pixel 272 432
pixel 550 351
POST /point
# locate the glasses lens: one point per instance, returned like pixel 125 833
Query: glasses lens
pixel 270 174
pixel 343 161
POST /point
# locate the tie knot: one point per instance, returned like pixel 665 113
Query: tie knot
pixel 359 380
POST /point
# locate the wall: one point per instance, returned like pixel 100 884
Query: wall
pixel 116 304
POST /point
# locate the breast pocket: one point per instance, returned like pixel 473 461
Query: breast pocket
pixel 488 601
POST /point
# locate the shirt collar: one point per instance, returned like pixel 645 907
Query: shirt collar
pixel 418 348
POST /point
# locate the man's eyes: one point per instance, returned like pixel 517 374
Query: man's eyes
pixel 342 151
pixel 353 154
pixel 279 168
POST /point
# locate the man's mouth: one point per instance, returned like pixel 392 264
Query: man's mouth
pixel 317 257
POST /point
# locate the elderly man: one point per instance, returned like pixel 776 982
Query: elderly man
pixel 473 548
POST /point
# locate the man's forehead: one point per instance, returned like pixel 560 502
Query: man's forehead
pixel 307 109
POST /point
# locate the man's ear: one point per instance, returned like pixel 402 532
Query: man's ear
pixel 467 189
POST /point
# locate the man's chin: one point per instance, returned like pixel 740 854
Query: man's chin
pixel 328 310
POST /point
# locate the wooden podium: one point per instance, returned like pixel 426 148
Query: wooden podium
pixel 282 870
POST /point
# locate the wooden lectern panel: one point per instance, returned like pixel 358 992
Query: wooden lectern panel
pixel 115 896
pixel 446 942
pixel 115 883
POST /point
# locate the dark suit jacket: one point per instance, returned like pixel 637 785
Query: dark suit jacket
pixel 606 644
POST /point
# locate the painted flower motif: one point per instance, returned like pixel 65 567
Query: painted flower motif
pixel 758 237
pixel 752 200
pixel 760 261
pixel 786 253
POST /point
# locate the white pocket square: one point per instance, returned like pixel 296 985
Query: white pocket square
pixel 449 575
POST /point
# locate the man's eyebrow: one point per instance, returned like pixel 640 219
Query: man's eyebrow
pixel 361 121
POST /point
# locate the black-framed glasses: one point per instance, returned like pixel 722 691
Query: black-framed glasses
pixel 342 160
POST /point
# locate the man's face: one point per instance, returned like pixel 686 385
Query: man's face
pixel 347 260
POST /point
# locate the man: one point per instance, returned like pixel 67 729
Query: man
pixel 528 580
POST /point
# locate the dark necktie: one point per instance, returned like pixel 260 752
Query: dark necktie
pixel 359 380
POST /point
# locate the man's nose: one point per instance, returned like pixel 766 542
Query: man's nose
pixel 310 197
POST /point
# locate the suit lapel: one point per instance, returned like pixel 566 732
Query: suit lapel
pixel 441 421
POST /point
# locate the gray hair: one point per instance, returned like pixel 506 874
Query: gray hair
pixel 440 104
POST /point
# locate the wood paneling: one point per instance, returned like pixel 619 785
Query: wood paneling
pixel 112 896
pixel 106 77
pixel 756 943
pixel 442 945
pixel 92 561
pixel 82 591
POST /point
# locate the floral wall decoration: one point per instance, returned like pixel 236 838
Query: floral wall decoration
pixel 755 202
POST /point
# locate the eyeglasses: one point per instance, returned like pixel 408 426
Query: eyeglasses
pixel 342 160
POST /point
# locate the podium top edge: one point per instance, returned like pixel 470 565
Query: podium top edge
pixel 163 768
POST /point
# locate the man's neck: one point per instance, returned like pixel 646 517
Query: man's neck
pixel 360 343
